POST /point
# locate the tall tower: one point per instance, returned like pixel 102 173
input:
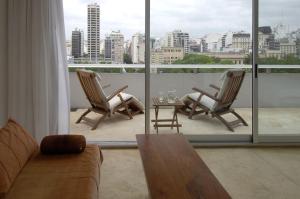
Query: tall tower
pixel 94 32
pixel 77 43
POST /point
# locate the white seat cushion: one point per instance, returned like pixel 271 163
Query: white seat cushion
pixel 101 90
pixel 115 101
pixel 205 100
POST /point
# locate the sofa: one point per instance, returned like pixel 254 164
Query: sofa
pixel 27 173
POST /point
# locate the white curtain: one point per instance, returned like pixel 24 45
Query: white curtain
pixel 38 82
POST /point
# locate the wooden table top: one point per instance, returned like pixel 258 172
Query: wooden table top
pixel 174 170
pixel 157 102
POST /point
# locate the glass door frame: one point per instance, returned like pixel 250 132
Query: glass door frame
pixel 257 137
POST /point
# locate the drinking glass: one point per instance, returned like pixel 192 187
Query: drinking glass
pixel 161 96
pixel 171 96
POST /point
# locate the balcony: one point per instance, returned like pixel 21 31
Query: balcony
pixel 279 102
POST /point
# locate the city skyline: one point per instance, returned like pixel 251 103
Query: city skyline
pixel 168 15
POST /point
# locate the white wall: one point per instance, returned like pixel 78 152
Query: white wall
pixel 182 82
pixel 3 61
pixel 275 89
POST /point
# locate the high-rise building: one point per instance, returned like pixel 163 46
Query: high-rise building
pixel 177 38
pixel 114 47
pixel 138 48
pixel 77 43
pixel 94 32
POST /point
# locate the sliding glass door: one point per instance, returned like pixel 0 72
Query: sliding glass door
pixel 278 48
pixel 193 44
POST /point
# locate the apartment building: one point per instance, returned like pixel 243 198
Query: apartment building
pixel 166 55
pixel 94 32
pixel 114 47
pixel 77 43
pixel 177 38
pixel 241 41
pixel 288 47
pixel 138 48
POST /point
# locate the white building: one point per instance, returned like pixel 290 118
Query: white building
pixel 287 47
pixel 138 48
pixel 69 48
pixel 127 46
pixel 280 31
pixel 94 32
pixel 177 38
pixel 85 47
pixel 265 37
pixel 241 41
pixel 227 42
pixel 212 42
pixel 102 46
pixel 114 47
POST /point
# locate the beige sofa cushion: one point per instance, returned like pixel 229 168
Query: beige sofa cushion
pixel 16 148
pixel 69 176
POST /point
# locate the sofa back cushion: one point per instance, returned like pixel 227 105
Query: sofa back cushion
pixel 16 148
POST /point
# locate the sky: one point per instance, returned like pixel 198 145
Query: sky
pixel 197 17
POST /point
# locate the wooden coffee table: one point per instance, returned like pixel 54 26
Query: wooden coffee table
pixel 174 170
pixel 172 122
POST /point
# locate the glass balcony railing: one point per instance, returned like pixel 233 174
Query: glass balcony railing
pixel 276 100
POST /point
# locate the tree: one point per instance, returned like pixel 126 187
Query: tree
pixel 127 59
pixel 195 59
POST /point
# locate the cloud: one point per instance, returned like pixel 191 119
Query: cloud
pixel 198 17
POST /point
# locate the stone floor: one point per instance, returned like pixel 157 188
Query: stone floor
pixel 120 128
pixel 259 173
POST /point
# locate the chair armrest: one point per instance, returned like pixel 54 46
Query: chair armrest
pixel 206 93
pixel 106 86
pixel 117 92
pixel 215 87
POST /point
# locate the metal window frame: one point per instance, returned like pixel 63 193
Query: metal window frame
pixel 254 71
pixel 147 66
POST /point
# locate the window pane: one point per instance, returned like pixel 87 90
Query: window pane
pixel 193 43
pixel 279 59
pixel 107 37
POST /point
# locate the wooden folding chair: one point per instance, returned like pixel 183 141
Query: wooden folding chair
pixel 219 103
pixel 118 101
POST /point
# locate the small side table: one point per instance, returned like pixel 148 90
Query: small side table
pixel 174 121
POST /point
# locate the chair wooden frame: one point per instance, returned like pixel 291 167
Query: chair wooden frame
pixel 99 105
pixel 223 103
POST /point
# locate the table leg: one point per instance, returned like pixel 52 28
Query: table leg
pixel 175 114
pixel 156 118
pixel 173 119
